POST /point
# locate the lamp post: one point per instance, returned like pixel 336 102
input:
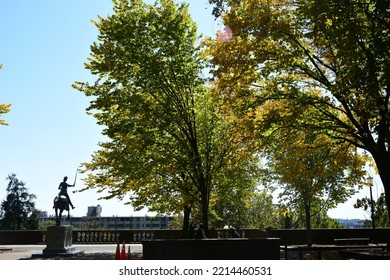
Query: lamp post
pixel 370 183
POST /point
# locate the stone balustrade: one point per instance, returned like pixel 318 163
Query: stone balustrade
pixel 287 236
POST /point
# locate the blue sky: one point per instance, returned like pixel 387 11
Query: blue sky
pixel 43 47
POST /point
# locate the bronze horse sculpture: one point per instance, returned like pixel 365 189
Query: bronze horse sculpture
pixel 60 204
pixel 62 200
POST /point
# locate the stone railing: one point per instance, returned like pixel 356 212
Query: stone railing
pixel 92 236
pixel 22 237
pixel 112 236
pixel 137 236
pixel 287 236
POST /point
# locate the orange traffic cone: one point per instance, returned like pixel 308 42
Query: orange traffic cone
pixel 123 253
pixel 128 254
pixel 117 253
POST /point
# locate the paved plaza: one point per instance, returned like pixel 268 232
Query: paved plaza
pixel 90 252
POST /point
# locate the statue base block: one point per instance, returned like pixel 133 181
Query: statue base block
pixel 58 242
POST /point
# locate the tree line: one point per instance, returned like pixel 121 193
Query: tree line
pixel 17 211
pixel 290 95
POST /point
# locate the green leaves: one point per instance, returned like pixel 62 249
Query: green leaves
pixel 169 149
pixel 317 47
pixel 310 64
pixel 380 210
pixel 17 206
pixel 4 108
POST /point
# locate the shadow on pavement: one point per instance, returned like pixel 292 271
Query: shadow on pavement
pixel 86 256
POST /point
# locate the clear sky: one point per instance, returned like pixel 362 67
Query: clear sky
pixel 43 47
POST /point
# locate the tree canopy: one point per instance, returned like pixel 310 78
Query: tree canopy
pixel 315 174
pixel 168 147
pixel 4 108
pixel 18 208
pixel 288 57
pixel 379 207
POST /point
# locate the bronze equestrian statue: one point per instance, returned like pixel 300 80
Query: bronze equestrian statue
pixel 62 200
pixel 60 204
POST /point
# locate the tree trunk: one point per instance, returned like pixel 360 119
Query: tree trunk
pixel 308 223
pixel 205 211
pixel 382 161
pixel 204 196
pixel 186 221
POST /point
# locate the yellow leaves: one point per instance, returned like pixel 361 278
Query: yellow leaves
pixel 315 161
pixel 4 108
pixel 113 107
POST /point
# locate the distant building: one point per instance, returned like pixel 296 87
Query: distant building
pixel 93 220
pixel 351 223
pixel 94 211
pixel 42 214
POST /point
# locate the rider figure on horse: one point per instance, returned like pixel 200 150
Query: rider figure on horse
pixel 64 190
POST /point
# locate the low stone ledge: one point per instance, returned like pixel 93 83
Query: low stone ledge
pixel 58 243
pixel 5 250
pixel 365 254
pixel 352 241
pixel 212 249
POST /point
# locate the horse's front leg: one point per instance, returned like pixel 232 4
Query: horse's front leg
pixel 60 216
pixel 57 218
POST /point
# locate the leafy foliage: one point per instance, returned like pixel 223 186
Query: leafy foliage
pixel 18 209
pixel 168 147
pixel 4 108
pixel 380 210
pixel 262 213
pixel 286 58
pixel 251 211
pixel 314 171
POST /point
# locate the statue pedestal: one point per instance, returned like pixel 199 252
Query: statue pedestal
pixel 58 242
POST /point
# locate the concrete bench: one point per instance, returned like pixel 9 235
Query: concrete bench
pixel 319 249
pixel 212 249
pixel 352 241
pixel 5 250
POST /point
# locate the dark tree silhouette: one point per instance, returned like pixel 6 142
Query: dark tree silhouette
pixel 16 209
